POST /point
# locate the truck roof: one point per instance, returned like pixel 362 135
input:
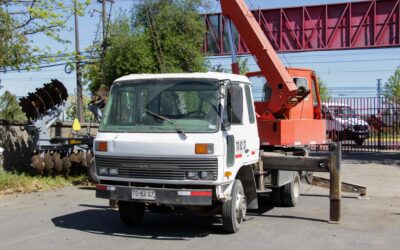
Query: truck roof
pixel 207 75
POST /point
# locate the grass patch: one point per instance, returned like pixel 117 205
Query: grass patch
pixel 22 183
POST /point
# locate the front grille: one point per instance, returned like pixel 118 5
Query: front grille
pixel 157 168
pixel 360 127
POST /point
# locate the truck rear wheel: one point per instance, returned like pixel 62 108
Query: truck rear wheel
pixel 234 211
pixel 290 193
pixel 131 213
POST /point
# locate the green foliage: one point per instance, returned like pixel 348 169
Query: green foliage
pixel 159 36
pixel 10 109
pixel 243 66
pixel 71 110
pixel 391 88
pixel 323 90
pixel 13 46
pixel 22 183
pixel 19 20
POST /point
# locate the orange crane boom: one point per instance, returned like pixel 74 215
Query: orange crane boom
pixel 285 93
pixel 290 116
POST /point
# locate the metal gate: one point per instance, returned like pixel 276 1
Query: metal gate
pixel 364 123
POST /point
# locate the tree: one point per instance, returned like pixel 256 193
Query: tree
pixel 10 109
pixel 19 20
pixel 159 36
pixel 323 90
pixel 243 66
pixel 391 89
pixel 71 110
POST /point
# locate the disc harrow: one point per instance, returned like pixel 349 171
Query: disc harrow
pixel 57 155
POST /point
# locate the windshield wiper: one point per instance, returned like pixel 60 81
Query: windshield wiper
pixel 176 125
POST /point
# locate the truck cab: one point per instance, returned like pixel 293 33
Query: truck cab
pixel 342 123
pixel 187 141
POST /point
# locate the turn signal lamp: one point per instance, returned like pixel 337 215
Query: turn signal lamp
pixel 204 148
pixel 228 174
pixel 101 146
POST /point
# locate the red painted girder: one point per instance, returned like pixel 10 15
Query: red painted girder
pixel 355 25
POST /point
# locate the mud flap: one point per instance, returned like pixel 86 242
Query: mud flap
pixel 246 175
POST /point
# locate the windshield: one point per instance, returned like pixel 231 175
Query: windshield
pixel 162 105
pixel 342 112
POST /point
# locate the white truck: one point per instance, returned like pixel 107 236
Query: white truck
pixel 342 123
pixel 183 141
pixel 194 141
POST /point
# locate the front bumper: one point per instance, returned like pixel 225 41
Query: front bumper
pixel 200 197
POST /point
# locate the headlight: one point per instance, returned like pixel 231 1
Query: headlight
pixel 206 175
pixel 193 175
pixel 113 171
pixel 103 171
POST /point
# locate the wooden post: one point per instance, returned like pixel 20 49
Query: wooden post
pixel 335 182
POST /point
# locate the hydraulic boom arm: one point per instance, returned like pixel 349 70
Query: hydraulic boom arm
pixel 285 93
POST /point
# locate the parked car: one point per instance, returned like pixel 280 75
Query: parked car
pixel 342 123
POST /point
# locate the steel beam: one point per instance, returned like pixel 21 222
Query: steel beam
pixel 353 25
pixel 346 187
pixel 331 164
pixel 273 161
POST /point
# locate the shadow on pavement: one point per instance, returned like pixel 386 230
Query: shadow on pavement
pixel 293 217
pixel 155 226
pixel 94 206
pixel 263 209
pixel 385 158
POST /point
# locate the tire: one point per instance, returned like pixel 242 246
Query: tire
pixel 359 142
pixel 290 193
pixel 131 213
pixel 234 210
pixel 92 172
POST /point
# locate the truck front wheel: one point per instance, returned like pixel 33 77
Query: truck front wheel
pixel 234 211
pixel 290 193
pixel 131 213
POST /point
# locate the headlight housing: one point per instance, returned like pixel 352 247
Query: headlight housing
pixel 206 175
pixel 192 175
pixel 103 171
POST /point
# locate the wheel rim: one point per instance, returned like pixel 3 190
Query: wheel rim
pixel 240 206
pixel 296 188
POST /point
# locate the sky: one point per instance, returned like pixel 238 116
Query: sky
pixel 346 72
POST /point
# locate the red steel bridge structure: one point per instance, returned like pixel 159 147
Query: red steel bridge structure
pixel 353 25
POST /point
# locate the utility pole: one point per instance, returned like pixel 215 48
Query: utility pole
pixel 379 89
pixel 79 102
pixel 379 113
pixel 104 18
pixel 104 44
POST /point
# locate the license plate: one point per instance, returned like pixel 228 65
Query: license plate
pixel 362 136
pixel 143 194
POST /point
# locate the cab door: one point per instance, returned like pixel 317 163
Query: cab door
pixel 240 124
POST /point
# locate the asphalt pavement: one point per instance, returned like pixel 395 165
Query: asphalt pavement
pixel 72 218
